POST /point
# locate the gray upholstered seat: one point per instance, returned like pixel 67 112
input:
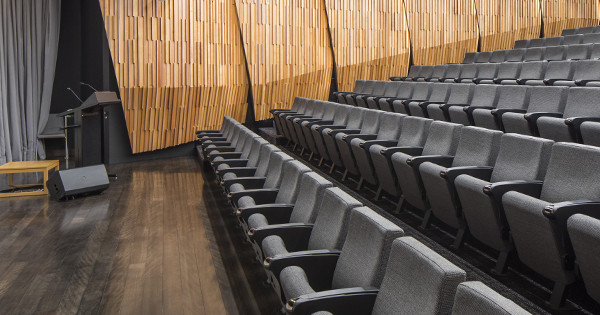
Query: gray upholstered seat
pixel 266 221
pixel 555 53
pixel 240 150
pixel 279 116
pixel 486 71
pixel 587 73
pixel 391 89
pixel 591 38
pixel 584 232
pixel 515 55
pixel 512 98
pixel 221 167
pixel 534 70
pixel 378 90
pixel 417 281
pixel 523 43
pixel 452 72
pixel 537 42
pixel 425 73
pixel 470 57
pixel 323 111
pixel 369 129
pixel 421 92
pixel 571 39
pixel 226 128
pixel 477 151
pixel 467 73
pixel 238 135
pixel 484 95
pixel 289 118
pixel 367 89
pixel 569 31
pixel 262 166
pixel 475 298
pixel 585 30
pixel 404 91
pixel 590 133
pixel 413 72
pixel 227 136
pixel 355 121
pixel 360 161
pixel 595 52
pixel 521 158
pixel 506 71
pixel 543 99
pixel 358 88
pixel 578 52
pixel 414 134
pixel 439 71
pixel 555 41
pixel 361 263
pixel 459 94
pixel 534 54
pixel 582 102
pixel 483 56
pixel 439 95
pixel 295 106
pixel 556 70
pixel 537 216
pixel 237 187
pixel 315 142
pixel 498 56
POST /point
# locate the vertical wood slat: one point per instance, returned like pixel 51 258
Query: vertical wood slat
pixel 180 67
pixel 559 15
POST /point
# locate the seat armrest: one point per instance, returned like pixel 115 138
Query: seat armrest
pixel 445 107
pixel 320 128
pixel 560 213
pixel 397 78
pixel 214 140
pixel 295 236
pixel 499 112
pixel 499 80
pixel 350 132
pixel 584 82
pixel 333 132
pixel 207 131
pixel 260 196
pixel 575 123
pixel 469 110
pixel 390 100
pixel 241 171
pixel 221 150
pixel 388 152
pixel 275 213
pixel 300 121
pixel 293 118
pixel 441 160
pixel 208 135
pixel 252 182
pixel 533 117
pixel 319 266
pixel 216 144
pixel 207 151
pixel 233 163
pixel 552 81
pixel 286 115
pixel 311 123
pixel 480 172
pixel 279 110
pixel 234 197
pixel 385 143
pixel 225 155
pixel 349 138
pixel 356 301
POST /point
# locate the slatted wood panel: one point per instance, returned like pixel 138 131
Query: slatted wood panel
pixel 180 67
pixel 502 22
pixel 561 14
pixel 288 51
pixel 370 40
pixel 441 31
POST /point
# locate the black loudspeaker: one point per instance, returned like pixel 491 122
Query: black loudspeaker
pixel 77 181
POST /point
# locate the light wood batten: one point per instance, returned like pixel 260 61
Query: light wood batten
pixel 559 15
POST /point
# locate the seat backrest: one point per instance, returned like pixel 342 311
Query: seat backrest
pixel 417 281
pixel 522 158
pixel 554 41
pixel 584 232
pixel 498 56
pixel 469 71
pixel 328 109
pixel 264 158
pixel 572 174
pixel 513 96
pixel 356 117
pixel 371 122
pixel 366 251
pixel 341 114
pixel 391 88
pixel 235 136
pixel 533 70
pixel 487 70
pixel 597 29
pixel 319 109
pixel 290 183
pixel 537 42
pixel 414 131
pixel 555 53
pixel 439 71
pixel 585 30
pixel 587 70
pixel 477 147
pixel 483 57
pixel 442 138
pixel 406 89
pixel 549 99
pixel 379 87
pixel 275 172
pixel 331 224
pixel 560 70
pixel 440 92
pixel 414 71
pixel 299 104
pixel 474 298
pixel 595 52
pixel 461 93
pixel 535 53
pixel 572 39
pixel 358 86
pixel 390 126
pixel 256 150
pixel 578 52
pixel 248 143
pixel 582 102
pixel 470 57
pixel 515 55
pixel 368 86
pixel 485 95
pixel 422 90
pixel 310 107
pixel 53 125
pixel 592 38
pixel 310 198
pixel 426 71
pixel 569 31
pixel 523 43
pixel 453 70
pixel 509 70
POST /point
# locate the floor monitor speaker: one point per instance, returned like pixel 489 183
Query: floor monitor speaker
pixel 78 181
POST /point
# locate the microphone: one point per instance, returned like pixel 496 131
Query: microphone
pixel 82 83
pixel 75 94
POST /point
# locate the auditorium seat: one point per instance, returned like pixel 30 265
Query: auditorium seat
pixel 483 57
pixel 555 53
pixel 569 31
pixel 414 134
pixel 467 73
pixel 543 99
pixel 298 106
pixel 470 57
pixel 361 262
pixel 439 71
pixel 243 186
pixel 222 166
pixel 584 232
pixel 587 73
pixel 595 52
pixel 522 159
pixel 225 127
pixel 585 30
pixel 227 134
pixel 537 42
pixel 391 90
pixel 512 98
pixel 306 106
pixel 317 112
pixel 556 41
pixel 439 95
pixel 497 56
pixel 378 90
pixel 422 92
pixel 367 89
pixel 590 133
pixel 591 38
pixel 459 94
pixel 578 52
pixel 288 119
pixel 476 154
pixel 515 55
pixel 417 280
pixel 506 71
pixel 269 220
pixel 315 142
pixel 534 70
pixel 475 298
pixel 215 144
pixel 538 217
pixel 358 88
pixel 570 40
pixel 328 147
pixel 442 140
pixel 425 73
pixel 323 111
pixel 260 170
pixel 413 72
pixel 523 43
pixel 486 71
pixel 290 242
pixel 556 70
pixel 452 73
pixel 405 91
pixel 484 96
pixel 240 151
pixel 534 54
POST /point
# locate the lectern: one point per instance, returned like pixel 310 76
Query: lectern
pixel 91 128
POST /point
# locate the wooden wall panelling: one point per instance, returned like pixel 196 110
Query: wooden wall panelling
pixel 288 51
pixel 180 67
pixel 559 15
pixel 441 31
pixel 370 40
pixel 502 22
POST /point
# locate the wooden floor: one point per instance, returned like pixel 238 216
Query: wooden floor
pixel 158 241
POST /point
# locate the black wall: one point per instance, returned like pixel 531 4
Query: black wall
pixel 84 56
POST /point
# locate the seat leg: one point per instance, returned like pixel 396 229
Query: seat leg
pixel 345 175
pixel 332 168
pixel 426 224
pixel 378 193
pixel 401 204
pixel 360 183
pixel 501 269
pixel 461 236
pixel 302 152
pixel 558 300
pixel 320 162
pixel 294 148
pixel 311 156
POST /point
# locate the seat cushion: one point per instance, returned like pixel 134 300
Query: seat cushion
pixel 257 220
pixel 294 282
pixel 476 298
pixel 246 202
pixel 229 176
pixel 212 146
pixel 218 158
pixel 236 188
pixel 273 245
pixel 223 166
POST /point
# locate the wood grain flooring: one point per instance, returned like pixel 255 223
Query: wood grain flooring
pixel 158 241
